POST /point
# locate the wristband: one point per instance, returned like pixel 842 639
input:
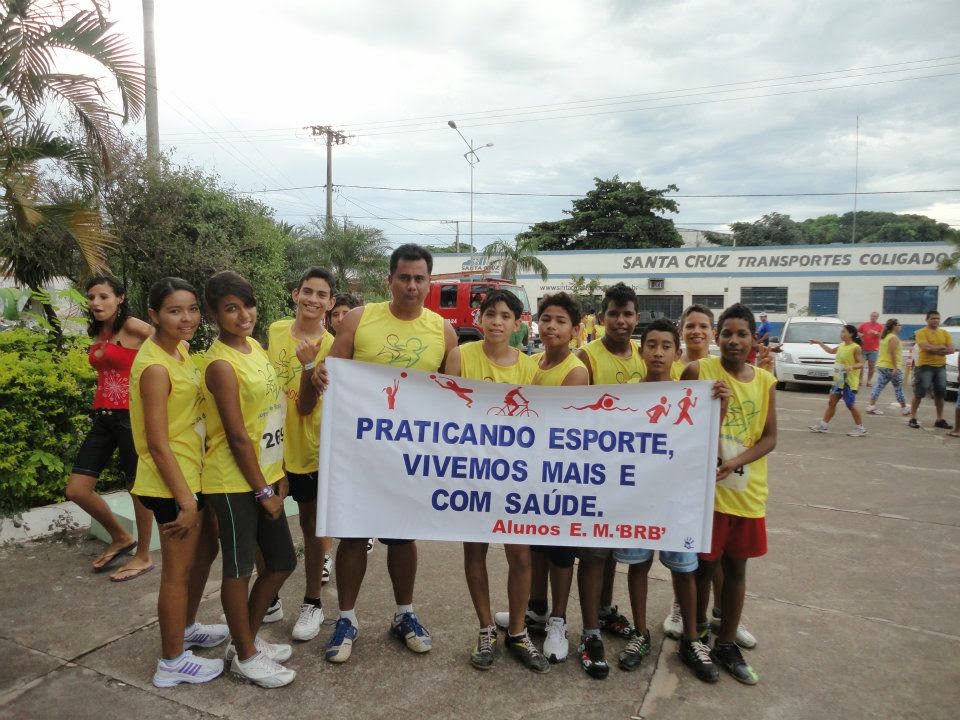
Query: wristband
pixel 310 365
pixel 263 494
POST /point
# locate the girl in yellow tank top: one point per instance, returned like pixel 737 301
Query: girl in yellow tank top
pixel 889 368
pixel 166 416
pixel 846 379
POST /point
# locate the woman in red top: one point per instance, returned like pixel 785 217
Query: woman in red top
pixel 117 337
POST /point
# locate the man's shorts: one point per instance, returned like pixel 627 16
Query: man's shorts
pixel 110 431
pixel 675 561
pixel 871 355
pixel 303 486
pixel 737 537
pixel 244 527
pixel 594 553
pixel 849 396
pixel 926 377
pixel 562 557
pixel 165 510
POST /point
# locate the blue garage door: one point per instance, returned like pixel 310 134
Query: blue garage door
pixel 823 298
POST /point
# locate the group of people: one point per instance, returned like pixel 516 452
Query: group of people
pixel 213 444
pixel 877 347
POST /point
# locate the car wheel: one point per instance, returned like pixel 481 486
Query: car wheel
pixel 781 385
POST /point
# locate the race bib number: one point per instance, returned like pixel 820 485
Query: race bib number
pixel 271 442
pixel 740 476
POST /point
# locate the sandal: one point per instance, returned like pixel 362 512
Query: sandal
pixel 112 558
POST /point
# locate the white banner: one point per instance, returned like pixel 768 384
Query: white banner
pixel 410 454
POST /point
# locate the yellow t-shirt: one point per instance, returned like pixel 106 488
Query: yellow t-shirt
pixel 385 339
pixel 884 360
pixel 475 364
pixel 601 330
pixel 932 337
pixel 262 404
pixel 610 369
pixel 589 324
pixel 301 433
pixel 676 369
pixel 185 420
pixel 557 374
pixel 743 492
pixel 846 356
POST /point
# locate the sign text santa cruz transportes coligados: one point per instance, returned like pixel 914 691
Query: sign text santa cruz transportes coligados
pixel 419 455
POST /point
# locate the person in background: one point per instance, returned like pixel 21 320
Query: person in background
pixel 870 333
pixel 763 330
pixel 889 368
pixel 846 380
pixel 935 345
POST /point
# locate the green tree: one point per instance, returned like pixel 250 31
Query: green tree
pixel 615 214
pixel 33 34
pixel 357 255
pixel 521 255
pixel 771 229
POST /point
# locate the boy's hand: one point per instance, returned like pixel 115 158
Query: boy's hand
pixel 283 487
pixel 272 506
pixel 320 378
pixel 722 392
pixel 765 359
pixel 723 470
pixel 307 352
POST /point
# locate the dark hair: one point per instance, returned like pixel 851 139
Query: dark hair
pixel 348 299
pixel 164 287
pixel 932 312
pixel 506 297
pixel 738 311
pixel 696 309
pixel 889 326
pixel 854 333
pixel 94 326
pixel 410 252
pixel 619 295
pixel 562 300
pixel 315 271
pixel 227 282
pixel 661 325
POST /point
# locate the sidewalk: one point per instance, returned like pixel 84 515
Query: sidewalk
pixel 853 609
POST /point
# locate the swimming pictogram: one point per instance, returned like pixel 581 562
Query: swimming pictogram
pixel 606 402
pixel 450 384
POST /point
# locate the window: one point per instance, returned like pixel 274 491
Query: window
pixel 448 296
pixel 655 284
pixel 713 302
pixel 660 306
pixel 823 298
pixel 914 299
pixel 769 299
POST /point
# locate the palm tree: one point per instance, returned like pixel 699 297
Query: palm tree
pixel 33 34
pixel 522 255
pixel 951 264
pixel 356 255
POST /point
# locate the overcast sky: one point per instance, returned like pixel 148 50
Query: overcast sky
pixel 717 98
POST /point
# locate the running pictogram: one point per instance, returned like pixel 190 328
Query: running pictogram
pixel 662 409
pixel 684 405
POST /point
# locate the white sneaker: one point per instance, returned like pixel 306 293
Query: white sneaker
pixel 819 427
pixel 327 567
pixel 673 625
pixel 205 636
pixel 904 411
pixel 308 623
pixel 274 612
pixel 745 638
pixel 535 623
pixel 872 410
pixel 556 646
pixel 262 671
pixel 369 545
pixel 278 652
pixel 858 432
pixel 189 668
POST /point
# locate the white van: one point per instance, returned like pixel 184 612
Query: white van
pixel 799 361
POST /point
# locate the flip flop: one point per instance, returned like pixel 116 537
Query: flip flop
pixel 113 558
pixel 137 572
pixel 955 433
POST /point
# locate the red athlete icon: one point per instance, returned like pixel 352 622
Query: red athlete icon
pixel 683 405
pixel 659 411
pixel 512 407
pixel 450 384
pixel 604 402
pixel 391 392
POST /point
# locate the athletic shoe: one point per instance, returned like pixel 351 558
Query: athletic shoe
pixel 696 656
pixel 369 545
pixel 408 628
pixel 872 410
pixel 857 432
pixel 729 657
pixel 904 411
pixel 912 422
pixel 819 428
pixel 189 668
pixel 308 623
pixel 556 646
pixel 327 567
pixel 536 624
pixel 525 651
pixel 591 657
pixel 274 612
pixel 673 625
pixel 485 651
pixel 340 644
pixel 262 671
pixel 205 636
pixel 943 425
pixel 278 652
pixel 615 623
pixel 636 650
pixel 745 638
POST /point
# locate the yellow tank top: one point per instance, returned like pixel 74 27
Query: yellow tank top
pixel 475 364
pixel 601 330
pixel 262 406
pixel 185 420
pixel 743 492
pixel 557 374
pixel 385 339
pixel 676 369
pixel 884 360
pixel 301 433
pixel 589 324
pixel 847 355
pixel 609 369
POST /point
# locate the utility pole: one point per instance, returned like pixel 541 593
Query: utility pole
pixel 456 242
pixel 472 159
pixel 150 80
pixel 856 182
pixel 334 137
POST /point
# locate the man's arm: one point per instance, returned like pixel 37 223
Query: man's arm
pixel 451 364
pixel 585 359
pixel 450 343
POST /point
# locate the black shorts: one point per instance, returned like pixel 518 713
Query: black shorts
pixel 303 486
pixel 244 527
pixel 166 509
pixel 562 557
pixel 110 431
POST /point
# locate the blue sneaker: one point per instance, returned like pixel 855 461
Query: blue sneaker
pixel 340 644
pixel 408 628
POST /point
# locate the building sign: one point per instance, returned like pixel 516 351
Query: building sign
pixel 829 259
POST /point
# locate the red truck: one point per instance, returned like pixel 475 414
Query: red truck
pixel 458 298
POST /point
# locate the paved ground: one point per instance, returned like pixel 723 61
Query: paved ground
pixel 853 607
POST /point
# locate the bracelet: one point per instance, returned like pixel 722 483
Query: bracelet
pixel 261 495
pixel 310 365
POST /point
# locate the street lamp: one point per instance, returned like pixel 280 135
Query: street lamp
pixel 472 159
